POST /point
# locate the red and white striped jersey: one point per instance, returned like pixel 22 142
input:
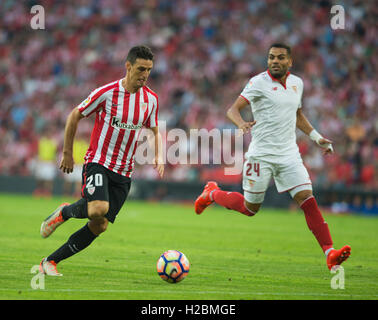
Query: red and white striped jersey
pixel 119 117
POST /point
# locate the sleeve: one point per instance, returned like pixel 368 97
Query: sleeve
pixel 301 95
pixel 92 103
pixel 251 91
pixel 152 120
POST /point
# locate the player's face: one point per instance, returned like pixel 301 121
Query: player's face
pixel 138 72
pixel 279 62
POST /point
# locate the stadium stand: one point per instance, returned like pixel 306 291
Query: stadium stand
pixel 205 53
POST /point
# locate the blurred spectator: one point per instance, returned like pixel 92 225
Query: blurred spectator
pixel 369 206
pixel 73 181
pixel 45 166
pixel 205 53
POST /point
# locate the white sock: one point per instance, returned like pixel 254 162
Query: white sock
pixel 211 195
pixel 328 251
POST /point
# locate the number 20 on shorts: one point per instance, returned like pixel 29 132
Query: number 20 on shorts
pixel 97 180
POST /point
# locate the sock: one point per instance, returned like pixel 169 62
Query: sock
pixel 79 210
pixel 316 223
pixel 328 251
pixel 76 242
pixel 231 201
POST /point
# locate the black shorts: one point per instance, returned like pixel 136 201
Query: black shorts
pixel 100 183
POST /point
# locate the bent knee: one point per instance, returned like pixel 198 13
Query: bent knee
pixel 253 208
pixel 98 226
pixel 97 209
pixel 301 196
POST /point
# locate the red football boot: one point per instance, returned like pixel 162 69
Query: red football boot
pixel 48 268
pixel 53 221
pixel 336 257
pixel 204 200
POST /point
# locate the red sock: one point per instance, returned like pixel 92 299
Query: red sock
pixel 316 223
pixel 231 201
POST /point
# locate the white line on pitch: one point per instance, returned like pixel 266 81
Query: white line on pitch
pixel 195 292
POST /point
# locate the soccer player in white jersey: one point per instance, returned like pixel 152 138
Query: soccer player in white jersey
pixel 121 109
pixel 275 98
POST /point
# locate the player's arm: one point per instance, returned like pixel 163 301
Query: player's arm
pixel 67 162
pixel 304 125
pixel 233 114
pixel 158 160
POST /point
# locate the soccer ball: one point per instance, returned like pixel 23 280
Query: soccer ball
pixel 173 266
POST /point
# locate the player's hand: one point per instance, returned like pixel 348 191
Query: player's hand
pixel 246 126
pixel 326 145
pixel 159 166
pixel 66 164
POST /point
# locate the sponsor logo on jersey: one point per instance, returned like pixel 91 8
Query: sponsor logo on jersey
pixel 116 123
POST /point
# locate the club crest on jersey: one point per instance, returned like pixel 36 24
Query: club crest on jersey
pixel 144 106
pixel 91 190
pixel 116 123
pixel 294 88
pixel 251 183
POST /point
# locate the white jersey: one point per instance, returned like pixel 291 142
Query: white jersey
pixel 274 106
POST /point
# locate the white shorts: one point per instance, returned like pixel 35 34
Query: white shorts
pixel 290 175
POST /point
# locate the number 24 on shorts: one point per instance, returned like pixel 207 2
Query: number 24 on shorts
pixel 256 168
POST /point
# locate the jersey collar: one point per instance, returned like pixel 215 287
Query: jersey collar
pixel 275 79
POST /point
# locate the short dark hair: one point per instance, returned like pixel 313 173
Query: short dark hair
pixel 141 52
pixel 281 45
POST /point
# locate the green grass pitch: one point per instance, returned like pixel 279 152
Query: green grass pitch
pixel 270 256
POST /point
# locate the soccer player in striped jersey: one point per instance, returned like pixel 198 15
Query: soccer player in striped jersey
pixel 121 108
pixel 275 99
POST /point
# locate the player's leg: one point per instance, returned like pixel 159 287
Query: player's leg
pixel 234 201
pixel 53 221
pixel 65 211
pixel 249 204
pixel 81 209
pixel 96 204
pixel 77 242
pixel 228 199
pixel 95 199
pixel 314 218
pixel 253 201
pixel 98 226
pixel 319 228
pixel 119 188
pixel 256 176
pixel 294 178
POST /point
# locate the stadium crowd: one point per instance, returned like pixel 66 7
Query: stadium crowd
pixel 205 52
